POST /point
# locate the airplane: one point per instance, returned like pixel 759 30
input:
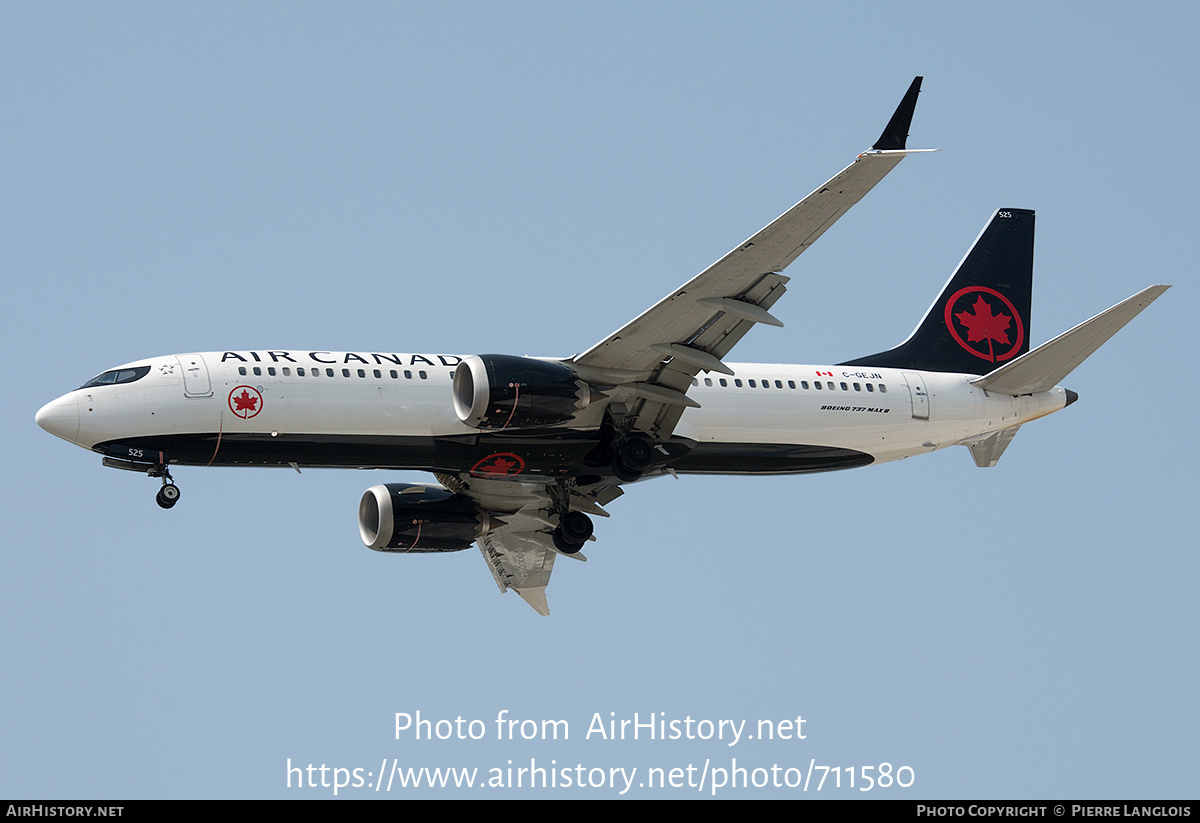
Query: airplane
pixel 526 450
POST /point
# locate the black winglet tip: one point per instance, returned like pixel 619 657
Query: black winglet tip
pixel 895 136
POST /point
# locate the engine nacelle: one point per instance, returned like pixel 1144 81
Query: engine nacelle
pixel 415 517
pixel 499 391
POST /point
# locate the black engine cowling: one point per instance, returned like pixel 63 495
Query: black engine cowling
pixel 414 517
pixel 499 391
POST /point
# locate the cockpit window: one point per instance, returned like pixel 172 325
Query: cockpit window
pixel 110 378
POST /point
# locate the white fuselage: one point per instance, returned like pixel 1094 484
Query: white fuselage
pixel 321 408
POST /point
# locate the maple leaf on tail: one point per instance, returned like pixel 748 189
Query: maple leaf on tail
pixel 982 325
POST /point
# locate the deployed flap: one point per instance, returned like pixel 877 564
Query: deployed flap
pixel 522 562
pixel 987 452
pixel 1045 367
pixel 519 550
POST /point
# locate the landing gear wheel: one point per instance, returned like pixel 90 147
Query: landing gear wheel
pixel 562 545
pixel 167 496
pixel 623 472
pixel 574 529
pixel 636 453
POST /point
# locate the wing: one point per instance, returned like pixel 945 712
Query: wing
pixel 653 359
pixel 520 552
pixel 649 364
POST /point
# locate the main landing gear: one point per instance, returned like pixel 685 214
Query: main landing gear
pixel 633 455
pixel 574 529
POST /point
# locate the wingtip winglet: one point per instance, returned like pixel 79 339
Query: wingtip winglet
pixel 895 136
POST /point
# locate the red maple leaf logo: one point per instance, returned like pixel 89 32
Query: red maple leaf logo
pixel 247 404
pixel 500 466
pixel 982 324
pixel 985 321
pixel 244 402
pixel 503 464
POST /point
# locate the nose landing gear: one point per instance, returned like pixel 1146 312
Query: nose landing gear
pixel 151 463
pixel 168 495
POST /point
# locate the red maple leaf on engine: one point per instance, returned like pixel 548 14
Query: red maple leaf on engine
pixel 244 402
pixel 498 466
pixel 983 325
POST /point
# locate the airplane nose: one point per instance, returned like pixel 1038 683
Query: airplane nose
pixel 60 417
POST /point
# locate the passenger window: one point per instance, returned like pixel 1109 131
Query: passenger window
pixel 258 371
pixel 345 372
pixel 242 371
pixel 882 388
pixel 857 387
pixel 362 373
pixel 752 384
pixel 271 370
pixel 738 382
pixel 723 381
pixel 844 387
pixel 708 381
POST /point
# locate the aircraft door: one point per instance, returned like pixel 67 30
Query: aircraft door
pixel 917 392
pixel 196 382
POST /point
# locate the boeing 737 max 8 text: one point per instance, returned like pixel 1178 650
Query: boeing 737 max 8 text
pixel 526 450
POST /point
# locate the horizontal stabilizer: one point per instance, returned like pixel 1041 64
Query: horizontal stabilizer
pixel 1045 367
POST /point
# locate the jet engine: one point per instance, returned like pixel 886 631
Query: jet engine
pixel 499 391
pixel 415 517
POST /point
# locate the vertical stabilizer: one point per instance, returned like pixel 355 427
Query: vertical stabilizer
pixel 981 319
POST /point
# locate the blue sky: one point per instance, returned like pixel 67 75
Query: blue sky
pixel 525 178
